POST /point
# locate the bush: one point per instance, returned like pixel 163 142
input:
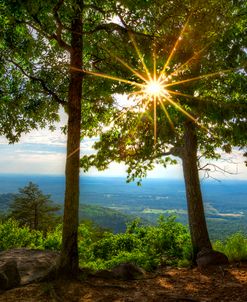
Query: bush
pixel 234 247
pixel 53 239
pixel 148 247
pixel 14 236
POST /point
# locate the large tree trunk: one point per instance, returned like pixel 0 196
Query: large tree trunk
pixel 197 222
pixel 69 253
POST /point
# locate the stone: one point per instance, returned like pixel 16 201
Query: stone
pixel 128 271
pixel 32 265
pixel 207 257
pixel 9 275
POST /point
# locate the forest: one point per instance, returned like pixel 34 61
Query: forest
pixel 182 66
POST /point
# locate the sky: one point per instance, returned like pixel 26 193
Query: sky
pixel 44 152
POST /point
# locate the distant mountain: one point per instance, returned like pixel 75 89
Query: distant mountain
pixel 107 218
pixel 103 217
pixel 111 202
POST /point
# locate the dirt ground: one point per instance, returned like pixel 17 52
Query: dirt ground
pixel 168 284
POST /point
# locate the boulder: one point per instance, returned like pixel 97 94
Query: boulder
pixel 207 257
pixel 32 265
pixel 9 275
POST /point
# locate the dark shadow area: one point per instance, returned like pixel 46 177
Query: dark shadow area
pixel 168 284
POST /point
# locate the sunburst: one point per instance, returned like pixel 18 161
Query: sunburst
pixel 156 87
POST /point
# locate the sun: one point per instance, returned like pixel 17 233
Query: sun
pixel 154 89
pixel 158 87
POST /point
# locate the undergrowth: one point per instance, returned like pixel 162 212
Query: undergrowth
pixel 234 247
pixel 167 243
pixel 147 246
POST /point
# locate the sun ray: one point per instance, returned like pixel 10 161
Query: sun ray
pixel 154 64
pixel 222 72
pixel 136 92
pixel 151 88
pixel 139 55
pixel 126 65
pixel 180 108
pixel 106 76
pixel 196 54
pixel 155 119
pixel 131 69
pixel 186 113
pixel 167 114
pixel 175 45
pixel 182 94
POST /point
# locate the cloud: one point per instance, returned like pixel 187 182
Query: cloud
pixel 44 152
pixel 32 163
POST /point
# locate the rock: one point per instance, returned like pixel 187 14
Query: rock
pixel 32 265
pixel 9 275
pixel 207 257
pixel 123 271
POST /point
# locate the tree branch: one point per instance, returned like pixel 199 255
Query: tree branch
pixel 209 168
pixel 46 89
pixel 58 35
pixel 110 27
pixel 175 151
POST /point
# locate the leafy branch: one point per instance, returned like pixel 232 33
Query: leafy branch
pixel 46 89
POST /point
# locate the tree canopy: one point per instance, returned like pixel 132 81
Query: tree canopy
pixel 211 50
pixel 34 209
pixel 197 51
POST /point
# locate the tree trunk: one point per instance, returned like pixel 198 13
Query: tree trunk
pixel 197 221
pixel 69 254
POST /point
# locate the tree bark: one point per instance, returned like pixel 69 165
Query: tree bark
pixel 69 264
pixel 197 221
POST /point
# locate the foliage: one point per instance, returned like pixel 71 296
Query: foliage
pixel 12 235
pixel 34 209
pixel 53 239
pixel 167 243
pixel 216 30
pixel 148 247
pixel 42 47
pixel 234 247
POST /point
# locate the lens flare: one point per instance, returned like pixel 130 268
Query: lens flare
pixel 154 89
pixel 158 87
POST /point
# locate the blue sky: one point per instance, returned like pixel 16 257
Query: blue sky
pixel 43 152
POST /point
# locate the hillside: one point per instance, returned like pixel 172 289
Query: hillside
pixel 103 217
pixel 106 218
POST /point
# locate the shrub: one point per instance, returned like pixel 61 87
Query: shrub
pixel 146 246
pixel 234 247
pixel 14 236
pixel 53 239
